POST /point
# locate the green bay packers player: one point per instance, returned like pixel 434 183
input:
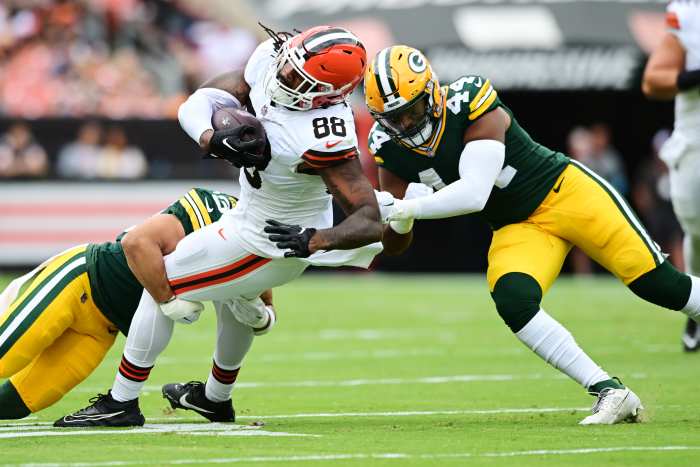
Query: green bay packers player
pixel 466 145
pixel 57 322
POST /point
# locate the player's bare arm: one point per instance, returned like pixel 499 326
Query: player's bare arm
pixel 660 80
pixel 353 192
pixel 144 248
pixel 394 243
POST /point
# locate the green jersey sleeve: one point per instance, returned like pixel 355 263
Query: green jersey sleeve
pixel 471 97
pixel 199 207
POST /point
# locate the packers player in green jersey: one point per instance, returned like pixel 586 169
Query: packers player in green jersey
pixel 464 144
pixel 58 321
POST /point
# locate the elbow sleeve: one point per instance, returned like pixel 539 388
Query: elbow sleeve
pixel 195 113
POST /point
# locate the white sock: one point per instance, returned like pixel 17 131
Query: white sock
pixel 554 344
pixel 220 382
pixel 692 308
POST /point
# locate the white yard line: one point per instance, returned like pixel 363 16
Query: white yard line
pixel 197 429
pixel 370 456
pixel 363 382
pixel 39 426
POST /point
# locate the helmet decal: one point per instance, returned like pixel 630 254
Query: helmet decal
pixel 417 62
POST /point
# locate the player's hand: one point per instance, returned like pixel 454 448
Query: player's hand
pixel 417 190
pixel 181 311
pixel 254 313
pixel 385 200
pixel 292 237
pixel 242 146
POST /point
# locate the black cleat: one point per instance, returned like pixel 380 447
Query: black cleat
pixel 190 396
pixel 104 411
pixel 691 336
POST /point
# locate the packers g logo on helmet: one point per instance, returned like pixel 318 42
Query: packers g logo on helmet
pixel 417 62
pixel 403 95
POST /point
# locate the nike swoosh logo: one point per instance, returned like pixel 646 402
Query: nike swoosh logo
pixel 225 143
pixel 558 187
pixel 330 145
pixel 206 204
pixel 80 418
pixel 221 233
pixel 184 403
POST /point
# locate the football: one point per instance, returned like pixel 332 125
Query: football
pixel 231 117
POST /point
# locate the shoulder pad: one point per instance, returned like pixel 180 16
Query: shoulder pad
pixel 471 96
pixel 375 142
pixel 257 64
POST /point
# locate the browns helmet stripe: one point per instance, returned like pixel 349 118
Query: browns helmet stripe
pixel 325 39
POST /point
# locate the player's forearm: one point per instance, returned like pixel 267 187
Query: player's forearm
pixel 395 243
pixel 145 259
pixel 360 228
pixel 660 84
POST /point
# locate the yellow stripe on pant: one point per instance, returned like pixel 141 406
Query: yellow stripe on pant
pixel 53 336
pixel 582 210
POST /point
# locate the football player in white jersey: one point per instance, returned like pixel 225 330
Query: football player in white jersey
pixel 297 86
pixel 673 71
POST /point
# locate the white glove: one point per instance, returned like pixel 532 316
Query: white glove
pixel 385 200
pixel 404 225
pixel 181 311
pixel 254 313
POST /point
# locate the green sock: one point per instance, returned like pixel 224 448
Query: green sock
pixel 12 407
pixel 614 383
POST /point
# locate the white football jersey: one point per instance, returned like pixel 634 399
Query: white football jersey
pixel 287 190
pixel 683 20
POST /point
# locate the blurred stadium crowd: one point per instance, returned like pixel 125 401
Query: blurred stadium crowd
pixel 112 58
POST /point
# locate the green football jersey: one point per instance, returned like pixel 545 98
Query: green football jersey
pixel 115 289
pixel 529 170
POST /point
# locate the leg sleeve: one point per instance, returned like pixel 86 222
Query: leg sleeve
pixel 149 333
pixel 233 339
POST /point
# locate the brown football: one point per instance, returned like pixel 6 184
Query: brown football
pixel 231 117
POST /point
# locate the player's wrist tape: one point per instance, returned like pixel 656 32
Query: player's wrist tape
pixel 688 79
pixel 195 113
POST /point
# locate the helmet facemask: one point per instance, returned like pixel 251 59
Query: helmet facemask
pixel 412 124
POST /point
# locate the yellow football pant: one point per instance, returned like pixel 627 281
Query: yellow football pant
pixel 53 336
pixel 583 210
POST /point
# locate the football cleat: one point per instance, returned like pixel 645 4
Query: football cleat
pixel 614 406
pixel 190 396
pixel 691 336
pixel 104 411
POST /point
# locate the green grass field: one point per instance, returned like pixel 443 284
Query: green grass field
pixel 401 370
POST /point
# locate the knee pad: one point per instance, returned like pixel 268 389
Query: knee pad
pixel 664 286
pixel 517 297
pixel 12 407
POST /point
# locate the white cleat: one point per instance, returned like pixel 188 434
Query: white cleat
pixel 614 406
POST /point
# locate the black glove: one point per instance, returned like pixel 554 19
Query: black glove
pixel 290 236
pixel 242 146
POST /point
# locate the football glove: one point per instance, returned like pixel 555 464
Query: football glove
pixel 397 214
pixel 385 200
pixel 290 236
pixel 242 146
pixel 254 313
pixel 181 311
